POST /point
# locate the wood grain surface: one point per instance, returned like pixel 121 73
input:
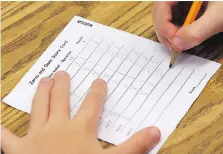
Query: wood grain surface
pixel 28 28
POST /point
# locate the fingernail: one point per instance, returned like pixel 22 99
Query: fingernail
pixel 46 80
pixel 155 133
pixel 61 73
pixel 178 43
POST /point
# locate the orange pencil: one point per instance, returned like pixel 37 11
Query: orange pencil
pixel 195 8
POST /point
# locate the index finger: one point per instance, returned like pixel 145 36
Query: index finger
pixel 90 110
pixel 162 18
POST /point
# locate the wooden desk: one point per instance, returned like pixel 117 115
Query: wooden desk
pixel 28 28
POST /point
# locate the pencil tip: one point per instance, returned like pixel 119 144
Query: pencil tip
pixel 170 65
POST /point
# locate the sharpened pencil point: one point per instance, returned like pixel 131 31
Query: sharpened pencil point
pixel 170 65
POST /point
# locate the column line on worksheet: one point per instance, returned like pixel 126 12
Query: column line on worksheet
pixel 99 76
pixel 146 99
pixel 119 65
pixel 202 79
pixel 78 54
pixel 124 74
pixel 120 82
pixel 117 71
pixel 93 67
pixel 86 60
pixel 173 97
pixel 129 85
pixel 160 97
pixel 138 90
pixel 95 42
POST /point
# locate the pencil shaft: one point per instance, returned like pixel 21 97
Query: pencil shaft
pixel 174 55
pixel 195 7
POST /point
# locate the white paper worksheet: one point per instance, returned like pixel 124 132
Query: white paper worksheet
pixel 142 90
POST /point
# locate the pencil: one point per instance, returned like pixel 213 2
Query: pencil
pixel 191 16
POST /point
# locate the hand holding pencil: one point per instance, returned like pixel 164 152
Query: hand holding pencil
pixel 209 23
pixel 193 12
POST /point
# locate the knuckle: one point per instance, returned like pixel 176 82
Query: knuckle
pixel 86 124
pixel 166 32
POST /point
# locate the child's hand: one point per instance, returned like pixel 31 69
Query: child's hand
pixel 209 24
pixel 52 132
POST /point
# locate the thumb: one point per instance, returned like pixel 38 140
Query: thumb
pixel 141 142
pixel 194 34
pixel 8 140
